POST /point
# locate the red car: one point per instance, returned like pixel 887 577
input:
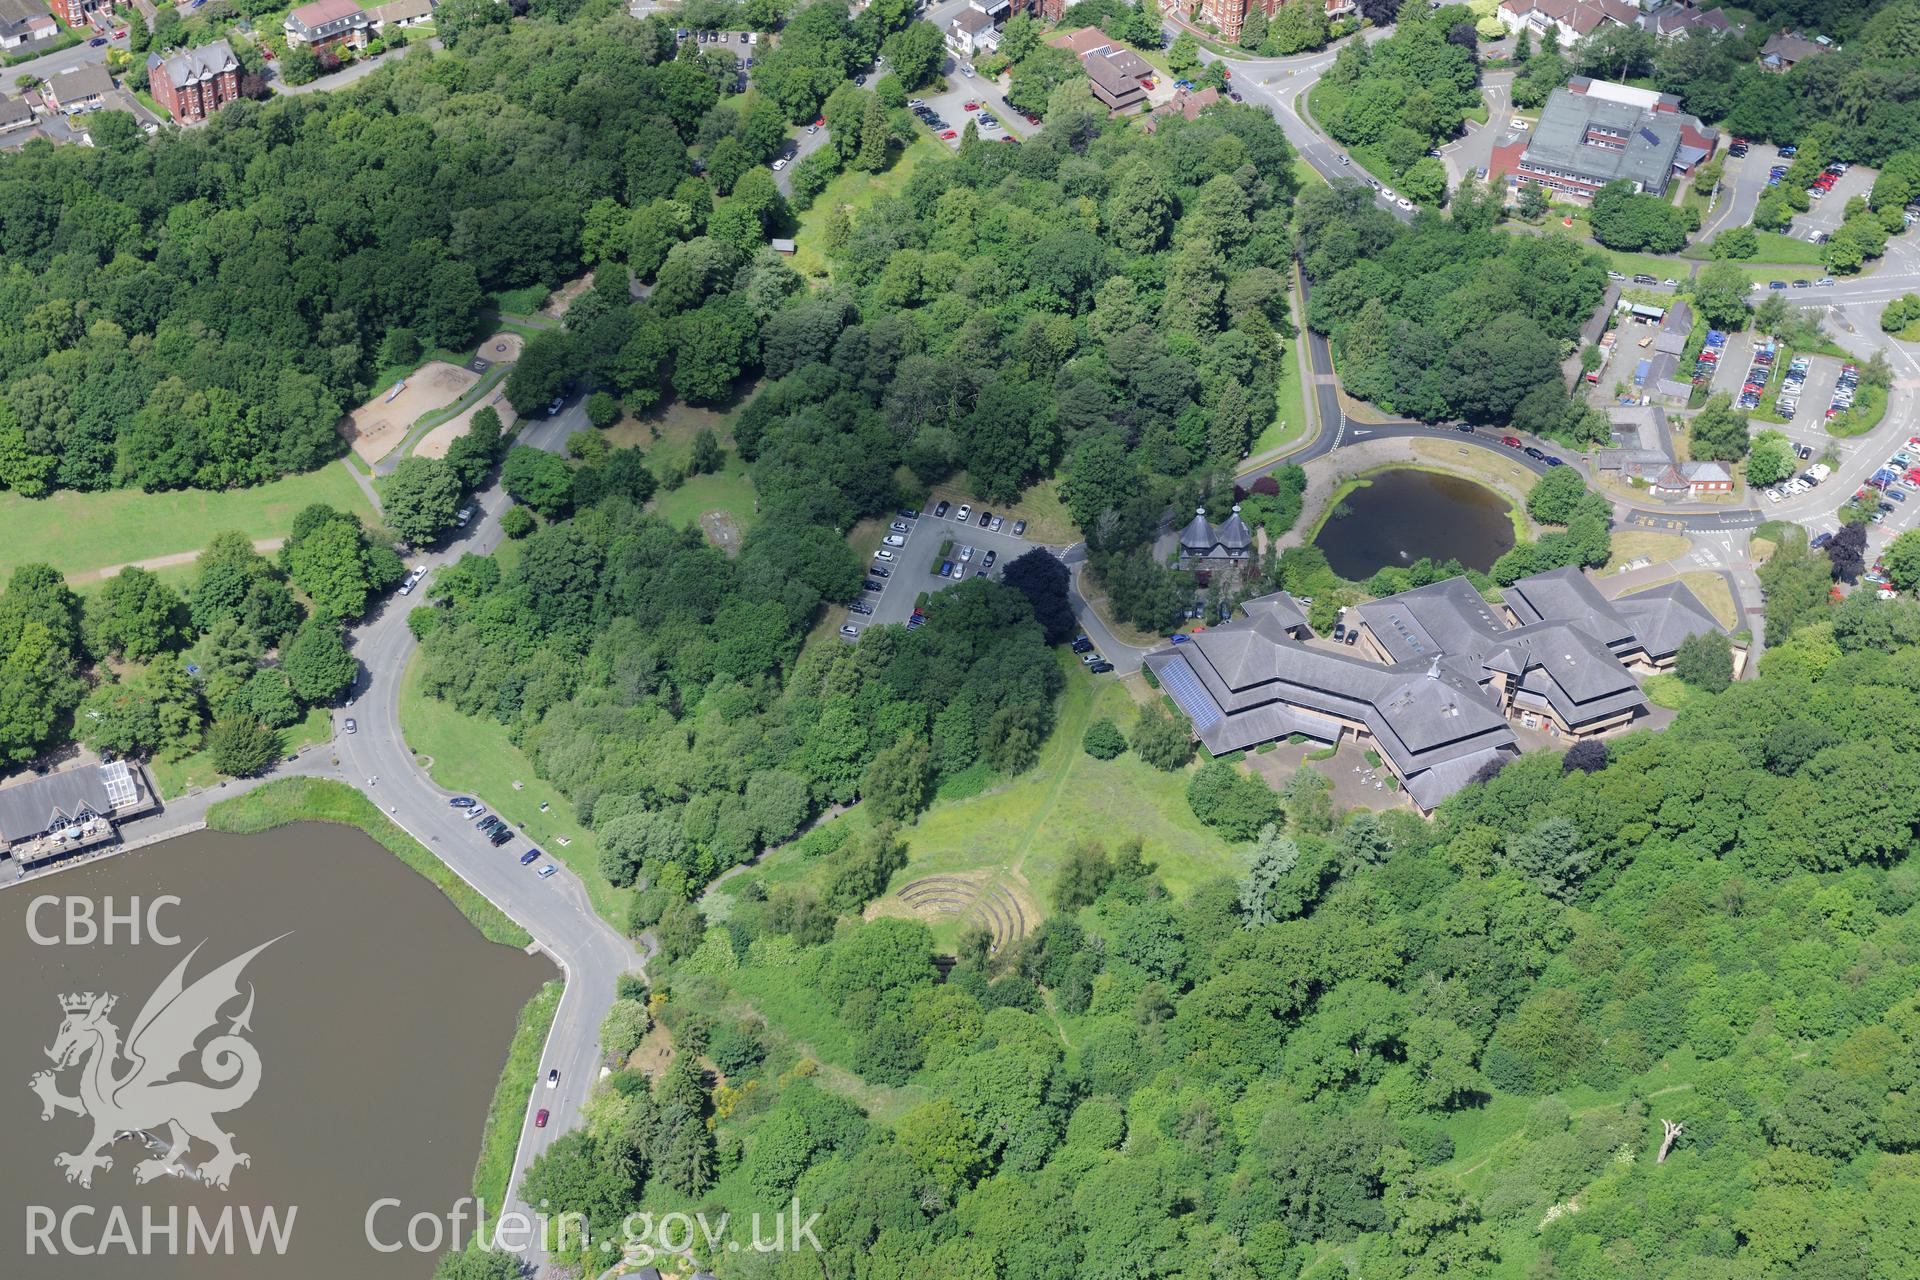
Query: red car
pixel 949 134
pixel 1512 442
pixel 973 106
pixel 540 1118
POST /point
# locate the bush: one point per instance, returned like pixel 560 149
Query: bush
pixel 1230 801
pixel 1161 739
pixel 1103 740
pixel 603 409
pixel 242 746
pixel 516 522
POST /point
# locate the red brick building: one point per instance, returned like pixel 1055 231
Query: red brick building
pixel 74 12
pixel 1228 16
pixel 192 84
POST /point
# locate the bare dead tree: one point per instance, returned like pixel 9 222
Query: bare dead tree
pixel 1673 1130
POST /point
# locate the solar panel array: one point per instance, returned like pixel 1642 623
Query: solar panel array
pixel 1178 679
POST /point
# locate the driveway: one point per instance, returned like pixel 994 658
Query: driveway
pixel 801 145
pixel 1475 150
pixel 1743 181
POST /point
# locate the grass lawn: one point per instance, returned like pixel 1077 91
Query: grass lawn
pixel 1775 247
pixel 1289 425
pixel 175 778
pixel 1635 544
pixel 1667 690
pixel 1018 828
pixel 524 301
pixel 475 756
pixel 501 1137
pixel 729 490
pixel 80 532
pixel 1023 825
pixel 318 800
pixel 856 191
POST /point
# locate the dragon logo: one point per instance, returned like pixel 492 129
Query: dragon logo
pixel 145 1097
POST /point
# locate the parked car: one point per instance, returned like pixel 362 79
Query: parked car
pixel 462 802
pixel 779 163
pixel 879 571
pixel 966 510
pixel 1100 668
pixel 1512 442
pixel 546 871
pixel 896 540
pixel 859 606
pixel 1019 528
pixel 985 518
pixel 350 725
pixel 1081 644
pixel 940 512
pixel 995 525
pixel 883 554
pixel 850 631
pixel 1552 461
pixel 529 857
pixel 986 562
pixel 463 515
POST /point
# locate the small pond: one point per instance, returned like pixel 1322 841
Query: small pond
pixel 1400 516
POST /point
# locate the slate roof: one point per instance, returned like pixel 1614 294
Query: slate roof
pixel 41 804
pixel 321 12
pixel 1567 595
pixel 1651 140
pixel 1663 616
pixel 80 84
pixel 14 111
pixel 191 66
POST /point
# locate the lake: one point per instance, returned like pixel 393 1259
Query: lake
pixel 1400 516
pixel 380 1020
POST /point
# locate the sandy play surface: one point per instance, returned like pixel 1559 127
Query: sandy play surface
pixel 375 428
pixel 501 348
pixel 434 443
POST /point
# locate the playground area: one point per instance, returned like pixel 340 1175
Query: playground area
pixel 436 442
pixel 377 427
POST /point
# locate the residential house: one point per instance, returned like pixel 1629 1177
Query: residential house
pixel 1185 103
pixel 192 84
pixel 1786 48
pixel 81 89
pixel 15 114
pixel 1439 676
pixel 1570 20
pixel 1678 21
pixel 1229 16
pixel 78 13
pixel 1117 74
pixel 401 13
pixel 325 23
pixel 1594 132
pixel 970 33
pixel 24 21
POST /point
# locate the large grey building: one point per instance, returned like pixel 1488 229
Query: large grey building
pixel 1438 677
pixel 1594 132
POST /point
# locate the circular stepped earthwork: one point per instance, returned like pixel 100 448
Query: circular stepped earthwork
pixel 976 899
